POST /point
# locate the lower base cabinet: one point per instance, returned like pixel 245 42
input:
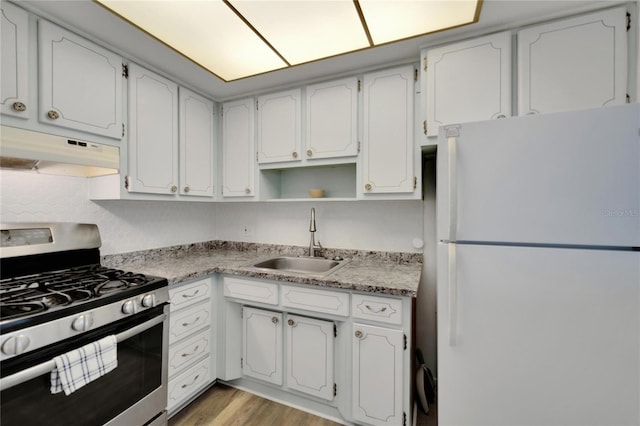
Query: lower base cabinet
pixel 262 345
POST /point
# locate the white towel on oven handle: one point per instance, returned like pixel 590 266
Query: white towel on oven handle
pixel 78 367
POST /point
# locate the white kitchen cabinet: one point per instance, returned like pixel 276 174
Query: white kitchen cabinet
pixel 280 127
pixel 238 148
pixel 197 144
pixel 388 133
pixel 310 356
pixel 80 83
pixel 153 133
pixel 377 374
pixel 468 81
pixel 14 91
pixel 572 64
pixel 332 119
pixel 262 345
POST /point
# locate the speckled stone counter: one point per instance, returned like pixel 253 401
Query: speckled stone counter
pixel 367 271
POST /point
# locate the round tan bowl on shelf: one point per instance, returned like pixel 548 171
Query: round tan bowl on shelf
pixel 316 193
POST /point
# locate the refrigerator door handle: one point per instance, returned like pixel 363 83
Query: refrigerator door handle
pixel 453 189
pixel 453 296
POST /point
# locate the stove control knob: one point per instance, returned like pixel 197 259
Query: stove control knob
pixel 148 300
pixel 129 307
pixel 15 345
pixel 82 323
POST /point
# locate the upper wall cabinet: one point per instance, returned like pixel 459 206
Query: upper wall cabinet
pixel 238 148
pixel 280 127
pixel 80 83
pixel 197 136
pixel 332 119
pixel 573 64
pixel 388 160
pixel 153 133
pixel 468 81
pixel 14 92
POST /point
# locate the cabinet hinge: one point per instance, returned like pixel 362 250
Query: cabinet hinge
pixel 424 62
pixel 415 185
pixel 335 330
pixel 405 341
pixel 415 74
pixel 404 418
pixel 256 104
pixel 358 147
pixel 628 99
pixel 628 21
pixel 126 182
pixel 257 160
pixel 424 126
pixel 221 111
pixel 123 130
pixel 335 389
pixel 125 71
pixel 241 363
pixel 359 85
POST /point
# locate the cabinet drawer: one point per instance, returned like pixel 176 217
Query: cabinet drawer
pixel 189 294
pixel 381 309
pixel 309 299
pixel 256 291
pixel 189 321
pixel 183 354
pixel 188 383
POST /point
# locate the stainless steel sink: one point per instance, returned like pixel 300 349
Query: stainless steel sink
pixel 316 266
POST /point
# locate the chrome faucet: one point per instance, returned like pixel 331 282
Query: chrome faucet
pixel 313 246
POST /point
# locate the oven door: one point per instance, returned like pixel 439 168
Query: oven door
pixel 135 393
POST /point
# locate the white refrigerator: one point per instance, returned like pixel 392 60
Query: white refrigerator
pixel 538 223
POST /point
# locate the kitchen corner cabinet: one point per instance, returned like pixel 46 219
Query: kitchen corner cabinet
pixel 280 127
pixel 573 64
pixel 80 83
pixel 467 81
pixel 238 130
pixel 377 365
pixel 197 142
pixel 14 91
pixel 388 132
pixel 332 119
pixel 153 133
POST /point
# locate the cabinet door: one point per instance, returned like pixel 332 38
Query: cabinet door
pixel 197 157
pixel 377 375
pixel 332 119
pixel 153 133
pixel 573 64
pixel 80 83
pixel 237 148
pixel 310 356
pixel 388 131
pixel 468 81
pixel 14 95
pixel 279 127
pixel 262 345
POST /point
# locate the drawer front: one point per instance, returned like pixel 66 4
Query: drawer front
pixel 381 309
pixel 189 294
pixel 188 383
pixel 309 299
pixel 189 321
pixel 183 354
pixel 251 290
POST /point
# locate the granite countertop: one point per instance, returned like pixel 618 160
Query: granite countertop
pixel 367 271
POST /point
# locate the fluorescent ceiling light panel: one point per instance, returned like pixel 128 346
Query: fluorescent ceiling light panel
pixel 390 21
pixel 306 30
pixel 235 39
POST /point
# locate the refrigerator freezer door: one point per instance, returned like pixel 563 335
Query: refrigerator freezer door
pixel 543 336
pixel 567 178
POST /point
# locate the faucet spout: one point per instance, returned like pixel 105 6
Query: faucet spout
pixel 313 246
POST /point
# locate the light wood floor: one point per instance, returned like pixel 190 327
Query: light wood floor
pixel 224 405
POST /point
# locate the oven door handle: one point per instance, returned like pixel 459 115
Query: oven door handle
pixel 46 367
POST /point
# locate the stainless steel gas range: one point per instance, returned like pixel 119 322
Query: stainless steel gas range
pixel 56 298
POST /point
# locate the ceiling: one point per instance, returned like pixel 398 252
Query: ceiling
pixel 92 20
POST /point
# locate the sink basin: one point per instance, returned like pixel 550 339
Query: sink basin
pixel 301 265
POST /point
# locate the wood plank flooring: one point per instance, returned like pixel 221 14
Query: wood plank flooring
pixel 224 405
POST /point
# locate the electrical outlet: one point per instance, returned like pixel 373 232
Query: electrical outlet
pixel 246 230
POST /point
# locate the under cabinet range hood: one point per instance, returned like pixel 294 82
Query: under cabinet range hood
pixel 49 154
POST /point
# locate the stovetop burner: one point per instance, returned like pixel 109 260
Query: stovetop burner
pixel 28 295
